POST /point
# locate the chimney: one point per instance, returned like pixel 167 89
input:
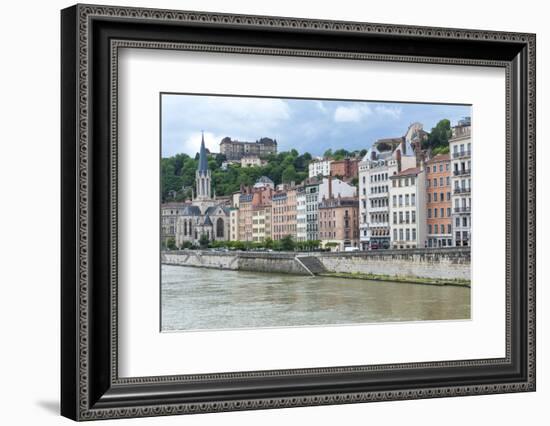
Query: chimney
pixel 398 158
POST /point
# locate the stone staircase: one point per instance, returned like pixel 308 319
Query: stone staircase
pixel 313 264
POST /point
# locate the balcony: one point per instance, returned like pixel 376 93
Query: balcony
pixel 462 209
pixel 462 154
pixel 462 190
pixel 378 209
pixel 461 172
pixel 378 195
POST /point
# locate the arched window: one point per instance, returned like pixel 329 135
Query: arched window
pixel 219 228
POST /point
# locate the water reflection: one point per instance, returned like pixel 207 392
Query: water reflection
pixel 194 299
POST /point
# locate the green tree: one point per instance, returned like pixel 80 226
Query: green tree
pixel 440 134
pixel 289 174
pixel 171 244
pixel 186 245
pixel 340 154
pixel 288 243
pixel 204 240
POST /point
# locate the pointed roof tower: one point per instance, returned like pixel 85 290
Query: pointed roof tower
pixel 203 159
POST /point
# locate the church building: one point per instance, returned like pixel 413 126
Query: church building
pixel 204 215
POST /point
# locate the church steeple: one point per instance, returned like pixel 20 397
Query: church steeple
pixel 203 159
pixel 202 175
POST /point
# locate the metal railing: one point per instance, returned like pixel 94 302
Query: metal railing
pixel 460 154
pixel 461 172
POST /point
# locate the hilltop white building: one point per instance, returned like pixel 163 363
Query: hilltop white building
pixel 319 167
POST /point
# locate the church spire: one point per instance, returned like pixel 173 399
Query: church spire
pixel 203 160
pixel 202 175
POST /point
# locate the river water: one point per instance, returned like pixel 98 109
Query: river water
pixel 201 299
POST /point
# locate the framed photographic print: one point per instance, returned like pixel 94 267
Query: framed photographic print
pixel 263 212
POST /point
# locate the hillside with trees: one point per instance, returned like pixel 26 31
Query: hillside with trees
pixel 178 171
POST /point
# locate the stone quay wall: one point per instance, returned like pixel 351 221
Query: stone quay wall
pixel 200 259
pixel 448 263
pixel 284 263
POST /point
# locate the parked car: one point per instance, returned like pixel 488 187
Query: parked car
pixel 351 249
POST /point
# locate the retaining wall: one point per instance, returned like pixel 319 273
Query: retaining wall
pixel 450 263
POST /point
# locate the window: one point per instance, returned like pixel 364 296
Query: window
pixel 429 197
pixel 435 197
pixel 401 235
pixel 413 216
pixel 436 228
pixel 408 234
pixel 435 182
pixel 429 229
pixel 395 234
pixel 457 221
pixel 441 167
pixel 400 217
pixel 407 199
pixel 458 236
pixel 447 169
pixel 464 221
pixel 442 212
pixel 435 212
pixel 412 181
pixel 414 234
pixel 400 200
pixel 448 196
pixel 394 217
pixel 441 196
pixel 434 168
pixel 407 217
pixel 441 181
pixel 413 199
pixel 449 231
pixel 448 180
pixel 394 200
pixel 448 212
pixel 429 213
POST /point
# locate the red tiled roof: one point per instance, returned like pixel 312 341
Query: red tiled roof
pixel 438 158
pixel 407 172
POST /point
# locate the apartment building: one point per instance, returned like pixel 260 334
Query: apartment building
pixel 438 201
pixel 460 146
pixel 408 209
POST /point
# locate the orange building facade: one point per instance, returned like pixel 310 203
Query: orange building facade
pixel 283 213
pixel 438 201
pixel 348 168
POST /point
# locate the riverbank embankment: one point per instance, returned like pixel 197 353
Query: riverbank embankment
pixel 449 266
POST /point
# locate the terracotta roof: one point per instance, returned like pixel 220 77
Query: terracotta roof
pixel 407 172
pixel 438 158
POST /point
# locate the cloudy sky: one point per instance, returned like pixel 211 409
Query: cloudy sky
pixel 307 125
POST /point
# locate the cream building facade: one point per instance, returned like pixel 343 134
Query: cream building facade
pixel 407 210
pixel 460 146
